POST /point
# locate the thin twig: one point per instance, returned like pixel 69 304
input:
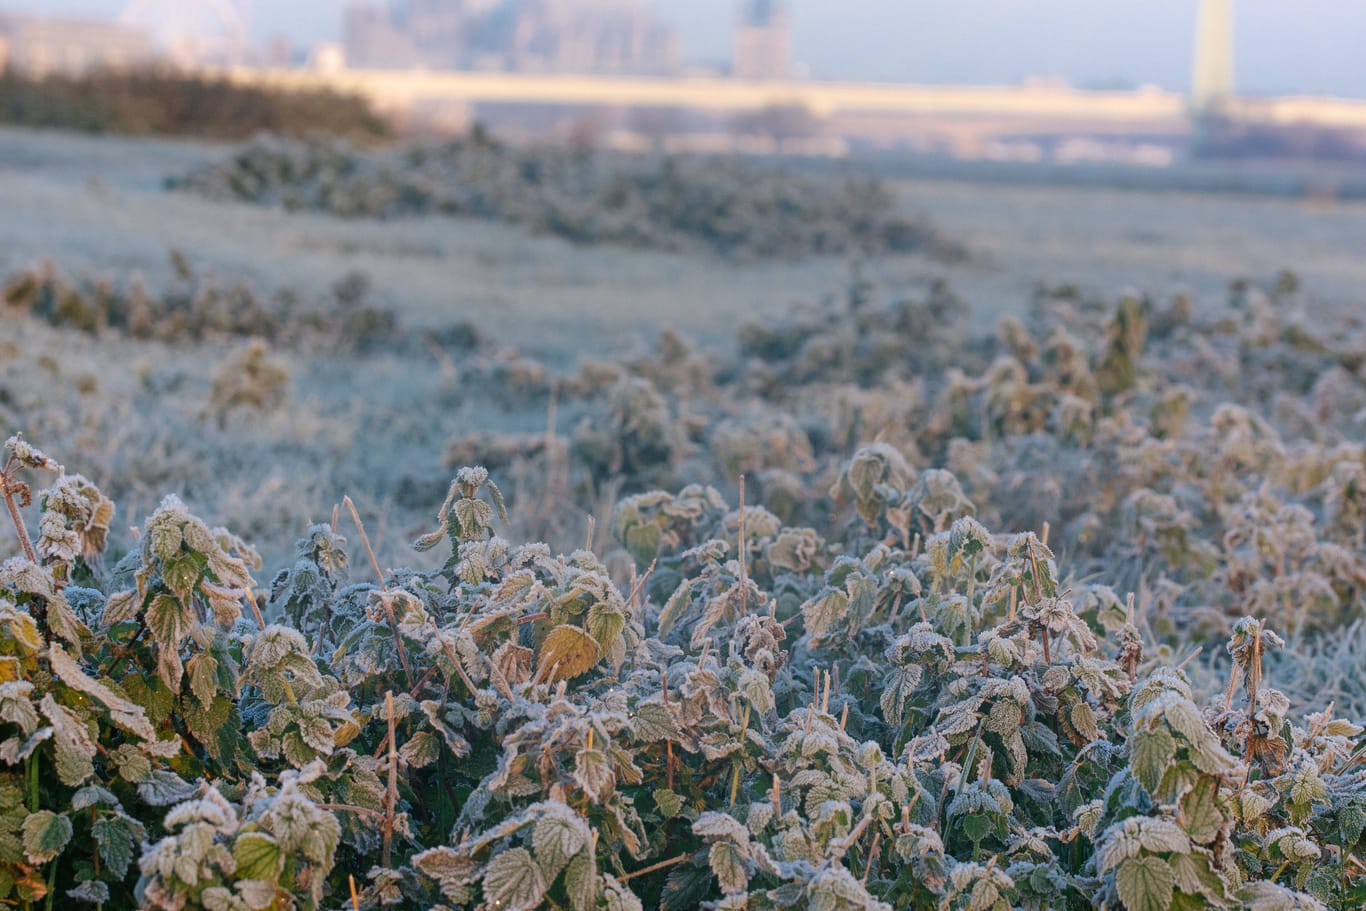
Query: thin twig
pixel 24 540
pixel 653 867
pixel 388 606
pixel 1191 657
pixel 640 583
pixel 398 637
pixel 743 546
pixel 364 538
pixel 848 841
pixel 872 855
pixel 391 792
pixel 384 744
pixel 260 621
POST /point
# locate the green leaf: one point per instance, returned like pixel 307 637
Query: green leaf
pixel 822 612
pixel 557 838
pixel 257 856
pixel 1200 816
pixel 453 871
pixel 604 623
pixel 122 712
pixel 977 826
pixel 117 838
pixel 421 750
pixel 45 835
pixel 71 739
pixel 180 574
pixel 169 620
pixel 1145 884
pixel 203 677
pixel 898 690
pixel 652 722
pixel 728 865
pixel 668 802
pixel 473 515
pixel 317 733
pixel 594 774
pixel 1150 754
pixel 513 881
pixel 581 883
pixel 1352 822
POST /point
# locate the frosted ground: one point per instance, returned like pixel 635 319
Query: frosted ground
pixel 96 203
pixel 133 415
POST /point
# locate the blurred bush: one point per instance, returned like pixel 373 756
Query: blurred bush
pixel 164 102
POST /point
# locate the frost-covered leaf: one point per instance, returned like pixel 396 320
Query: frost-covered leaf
pixel 557 838
pixel 421 750
pixel 117 838
pixel 668 802
pixel 45 835
pixel 74 748
pixel 257 856
pixel 594 774
pixel 1145 884
pixel 163 787
pixel 566 653
pixel 92 891
pixel 513 881
pixel 1150 754
pixel 727 864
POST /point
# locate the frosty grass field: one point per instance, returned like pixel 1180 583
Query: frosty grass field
pixel 1026 578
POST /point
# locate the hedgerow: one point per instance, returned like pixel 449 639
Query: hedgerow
pixel 161 101
pixel 896 708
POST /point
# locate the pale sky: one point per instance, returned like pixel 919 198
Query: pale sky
pixel 1311 46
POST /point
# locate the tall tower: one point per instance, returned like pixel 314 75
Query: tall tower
pixel 763 40
pixel 1212 71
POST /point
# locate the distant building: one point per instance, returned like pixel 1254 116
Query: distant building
pixel 1212 71
pixel 556 36
pixel 40 45
pixel 326 58
pixel 584 36
pixel 763 41
pixel 375 38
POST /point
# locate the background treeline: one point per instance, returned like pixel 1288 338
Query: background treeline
pixel 164 102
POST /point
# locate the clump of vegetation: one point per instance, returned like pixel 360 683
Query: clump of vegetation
pixel 251 380
pixel 166 102
pixel 724 206
pixel 824 716
pixel 200 305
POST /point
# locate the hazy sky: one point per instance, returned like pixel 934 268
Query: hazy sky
pixel 1282 45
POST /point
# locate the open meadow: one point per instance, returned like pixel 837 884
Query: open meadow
pixel 926 543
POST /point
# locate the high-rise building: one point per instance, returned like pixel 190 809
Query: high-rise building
pixel 41 45
pixel 586 36
pixel 372 40
pixel 561 36
pixel 1212 72
pixel 763 41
